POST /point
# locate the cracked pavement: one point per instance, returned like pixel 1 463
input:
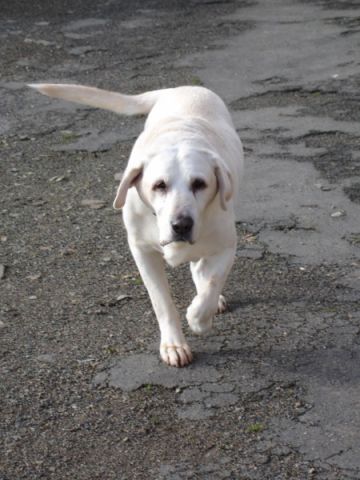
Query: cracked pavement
pixel 274 391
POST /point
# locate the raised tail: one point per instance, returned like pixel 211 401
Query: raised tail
pixel 95 97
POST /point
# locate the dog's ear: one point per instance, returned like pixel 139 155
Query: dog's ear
pixel 131 177
pixel 224 182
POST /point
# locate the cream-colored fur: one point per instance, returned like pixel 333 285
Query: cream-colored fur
pixel 177 193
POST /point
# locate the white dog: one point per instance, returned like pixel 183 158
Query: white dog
pixel 186 167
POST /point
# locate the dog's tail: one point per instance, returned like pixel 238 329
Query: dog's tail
pixel 95 97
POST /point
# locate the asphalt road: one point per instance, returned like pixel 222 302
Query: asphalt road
pixel 274 391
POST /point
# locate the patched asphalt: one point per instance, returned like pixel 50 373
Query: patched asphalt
pixel 274 390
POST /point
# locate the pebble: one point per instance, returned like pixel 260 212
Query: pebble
pixel 46 358
pixel 338 214
pixel 2 271
pixel 122 297
pixel 118 176
pixel 44 43
pixel 34 276
pixel 93 203
pixel 58 178
pixel 81 50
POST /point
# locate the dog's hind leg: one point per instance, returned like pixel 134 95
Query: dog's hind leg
pixel 209 275
pixel 173 347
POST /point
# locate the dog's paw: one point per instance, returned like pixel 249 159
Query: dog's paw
pixel 200 316
pixel 176 355
pixel 222 304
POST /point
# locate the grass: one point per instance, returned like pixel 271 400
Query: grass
pixel 194 80
pixel 255 428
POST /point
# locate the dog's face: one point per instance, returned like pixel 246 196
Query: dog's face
pixel 178 185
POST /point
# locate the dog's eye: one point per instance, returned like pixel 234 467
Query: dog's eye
pixel 198 184
pixel 160 186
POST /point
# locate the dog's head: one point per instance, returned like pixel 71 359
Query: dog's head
pixel 178 184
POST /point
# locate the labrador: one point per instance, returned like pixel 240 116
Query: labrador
pixel 178 194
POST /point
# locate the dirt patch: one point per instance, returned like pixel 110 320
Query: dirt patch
pixel 74 312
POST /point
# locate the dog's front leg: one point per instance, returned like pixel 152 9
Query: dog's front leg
pixel 173 348
pixel 209 275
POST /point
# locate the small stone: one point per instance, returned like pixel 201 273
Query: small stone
pixel 338 214
pixel 93 203
pixel 2 324
pixel 122 297
pixel 100 379
pixel 81 50
pixel 261 459
pixel 33 277
pixel 44 43
pixel 86 360
pixel 39 203
pixel 68 250
pixel 2 271
pixel 118 176
pixel 46 358
pixel 58 178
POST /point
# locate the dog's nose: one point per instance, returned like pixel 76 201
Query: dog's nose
pixel 182 225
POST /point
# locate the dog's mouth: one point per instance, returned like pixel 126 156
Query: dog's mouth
pixel 164 243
